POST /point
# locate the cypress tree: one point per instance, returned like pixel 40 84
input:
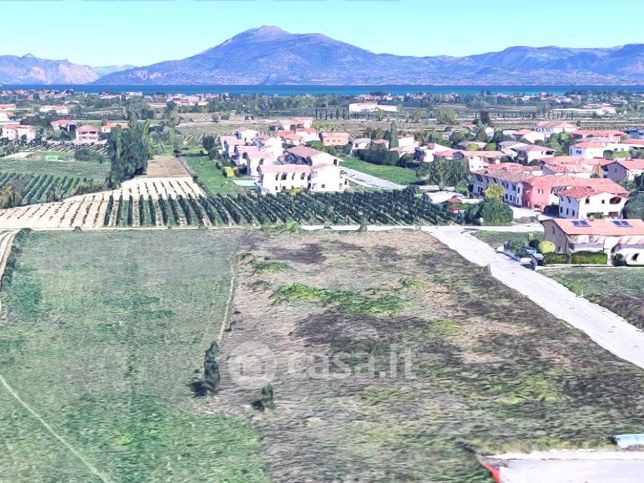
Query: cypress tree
pixel 393 135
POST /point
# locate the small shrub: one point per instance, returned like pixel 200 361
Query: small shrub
pixel 546 247
pixel 265 399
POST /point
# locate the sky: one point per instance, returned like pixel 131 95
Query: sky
pixel 141 32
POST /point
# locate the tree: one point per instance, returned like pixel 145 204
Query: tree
pixel 444 116
pixel 484 118
pixel 265 399
pixel 9 197
pixel 129 150
pixel 212 377
pixel 208 142
pixel 546 246
pixel 393 135
pixel 634 208
pixel 494 192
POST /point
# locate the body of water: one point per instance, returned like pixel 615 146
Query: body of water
pixel 336 90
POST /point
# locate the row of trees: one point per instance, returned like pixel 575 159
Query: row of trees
pixel 130 150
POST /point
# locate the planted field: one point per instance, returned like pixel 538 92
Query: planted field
pixel 155 202
pixel 488 369
pixel 617 289
pixel 105 351
pixel 395 174
pixel 42 188
pixel 37 165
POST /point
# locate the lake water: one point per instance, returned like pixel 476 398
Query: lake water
pixel 336 90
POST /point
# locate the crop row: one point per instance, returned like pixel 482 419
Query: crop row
pixel 43 187
pixel 380 208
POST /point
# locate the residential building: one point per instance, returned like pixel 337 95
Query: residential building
pixel 7 116
pixel 577 166
pixel 17 132
pixel 611 135
pixel 252 158
pixel 477 160
pixel 528 135
pixel 62 124
pixel 527 154
pixel 360 143
pixel 357 107
pixel 61 110
pixel 334 138
pixel 624 170
pixel 275 178
pixel 613 237
pixel 548 128
pixel 228 144
pixel 309 156
pixel 426 153
pixel 87 134
pixel 581 202
pixel 107 127
pixel 246 135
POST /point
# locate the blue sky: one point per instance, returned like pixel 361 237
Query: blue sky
pixel 140 32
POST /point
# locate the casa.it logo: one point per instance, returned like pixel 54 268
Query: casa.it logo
pixel 252 365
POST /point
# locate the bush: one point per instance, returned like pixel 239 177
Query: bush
pixel 556 258
pixel 491 211
pixel 546 247
pixel 594 258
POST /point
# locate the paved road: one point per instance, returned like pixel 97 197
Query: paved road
pixel 604 327
pixel 373 181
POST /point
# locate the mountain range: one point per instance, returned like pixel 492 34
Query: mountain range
pixel 272 56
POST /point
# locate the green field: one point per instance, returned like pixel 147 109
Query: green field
pixel 394 174
pixel 211 178
pixel 81 169
pixel 618 289
pixel 105 351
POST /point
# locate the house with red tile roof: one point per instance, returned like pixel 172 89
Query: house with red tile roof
pixel 613 237
pixel 611 135
pixel 107 127
pixel 60 124
pixel 624 170
pixel 17 132
pixel 532 152
pixel 334 138
pixel 582 202
pixel 87 134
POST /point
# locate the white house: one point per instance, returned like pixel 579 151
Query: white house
pixel 62 110
pixel 581 201
pixel 309 156
pixel 479 159
pixel 371 107
pixel 548 128
pixel 275 178
pixel 246 135
pixel 18 132
pixel 527 154
pixel 426 153
pixel 87 134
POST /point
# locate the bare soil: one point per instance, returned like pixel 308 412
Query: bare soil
pixel 490 370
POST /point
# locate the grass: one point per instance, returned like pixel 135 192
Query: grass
pixel 212 178
pixel 497 238
pixel 618 289
pixel 347 302
pixel 82 169
pixel 105 352
pixel 394 174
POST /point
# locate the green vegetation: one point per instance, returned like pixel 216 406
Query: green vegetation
pixel 105 352
pixel 25 189
pixel 97 172
pixel 211 178
pixel 130 150
pixel 618 289
pixel 489 212
pixel 346 302
pixel 285 211
pixel 395 174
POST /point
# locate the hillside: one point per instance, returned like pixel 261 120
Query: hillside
pixel 271 56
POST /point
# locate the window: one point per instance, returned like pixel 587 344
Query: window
pixel 621 223
pixel 581 223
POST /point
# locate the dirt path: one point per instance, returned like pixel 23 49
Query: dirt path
pixel 604 327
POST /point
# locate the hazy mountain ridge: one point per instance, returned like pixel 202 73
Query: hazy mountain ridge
pixel 271 56
pixel 28 69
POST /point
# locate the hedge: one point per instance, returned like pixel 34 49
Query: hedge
pixel 579 258
pixel 595 258
pixel 555 258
